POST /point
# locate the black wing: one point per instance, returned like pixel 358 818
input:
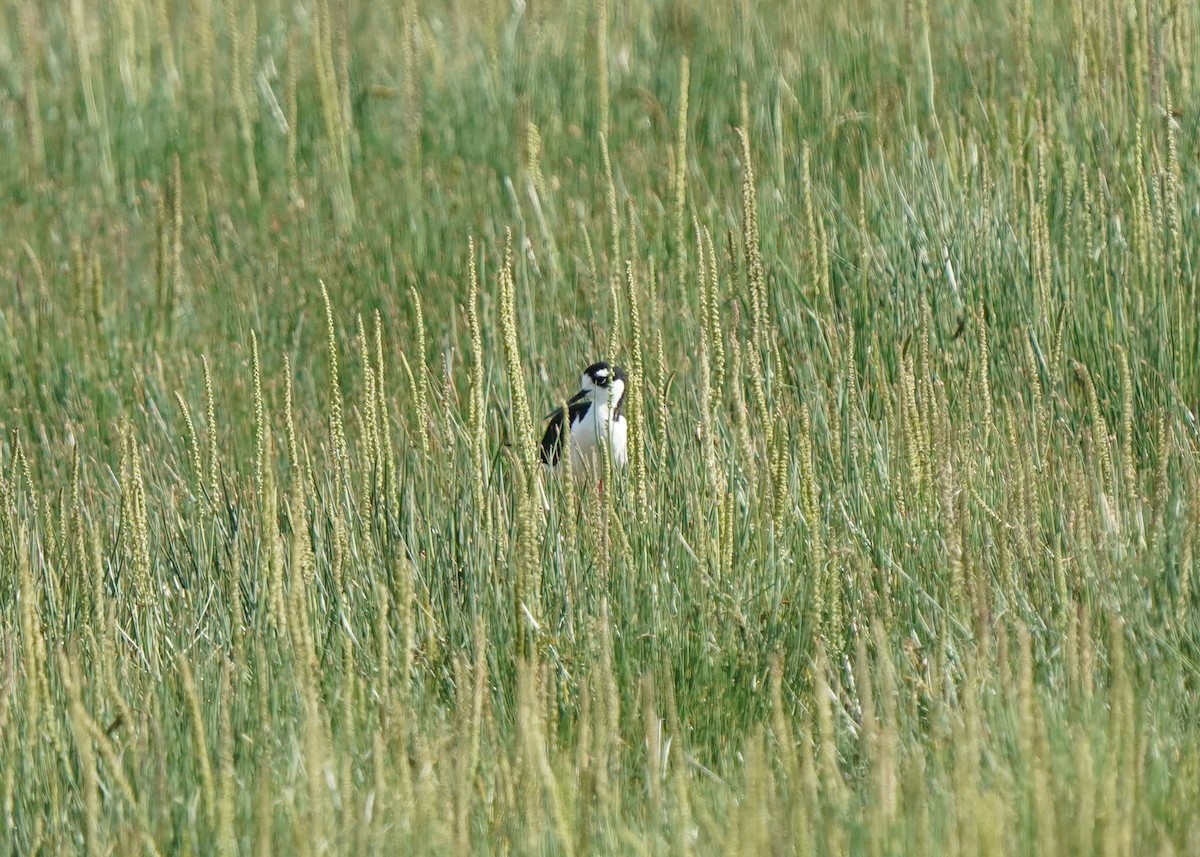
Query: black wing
pixel 553 440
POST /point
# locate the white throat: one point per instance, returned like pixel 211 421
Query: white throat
pixel 606 398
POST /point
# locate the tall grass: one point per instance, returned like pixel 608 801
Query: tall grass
pixel 905 560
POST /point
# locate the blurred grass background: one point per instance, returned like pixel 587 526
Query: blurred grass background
pixel 905 558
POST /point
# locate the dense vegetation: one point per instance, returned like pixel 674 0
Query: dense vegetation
pixel 905 560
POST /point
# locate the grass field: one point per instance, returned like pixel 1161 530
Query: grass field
pixel 905 559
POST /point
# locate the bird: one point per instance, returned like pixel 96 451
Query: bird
pixel 596 415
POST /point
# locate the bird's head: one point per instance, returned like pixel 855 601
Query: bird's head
pixel 600 378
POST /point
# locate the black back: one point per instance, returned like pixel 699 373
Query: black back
pixel 554 440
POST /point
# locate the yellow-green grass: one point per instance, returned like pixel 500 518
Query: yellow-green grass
pixel 905 557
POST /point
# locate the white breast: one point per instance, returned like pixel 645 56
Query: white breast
pixel 589 434
pixel 618 432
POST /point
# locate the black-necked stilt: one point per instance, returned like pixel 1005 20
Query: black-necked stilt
pixel 596 415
